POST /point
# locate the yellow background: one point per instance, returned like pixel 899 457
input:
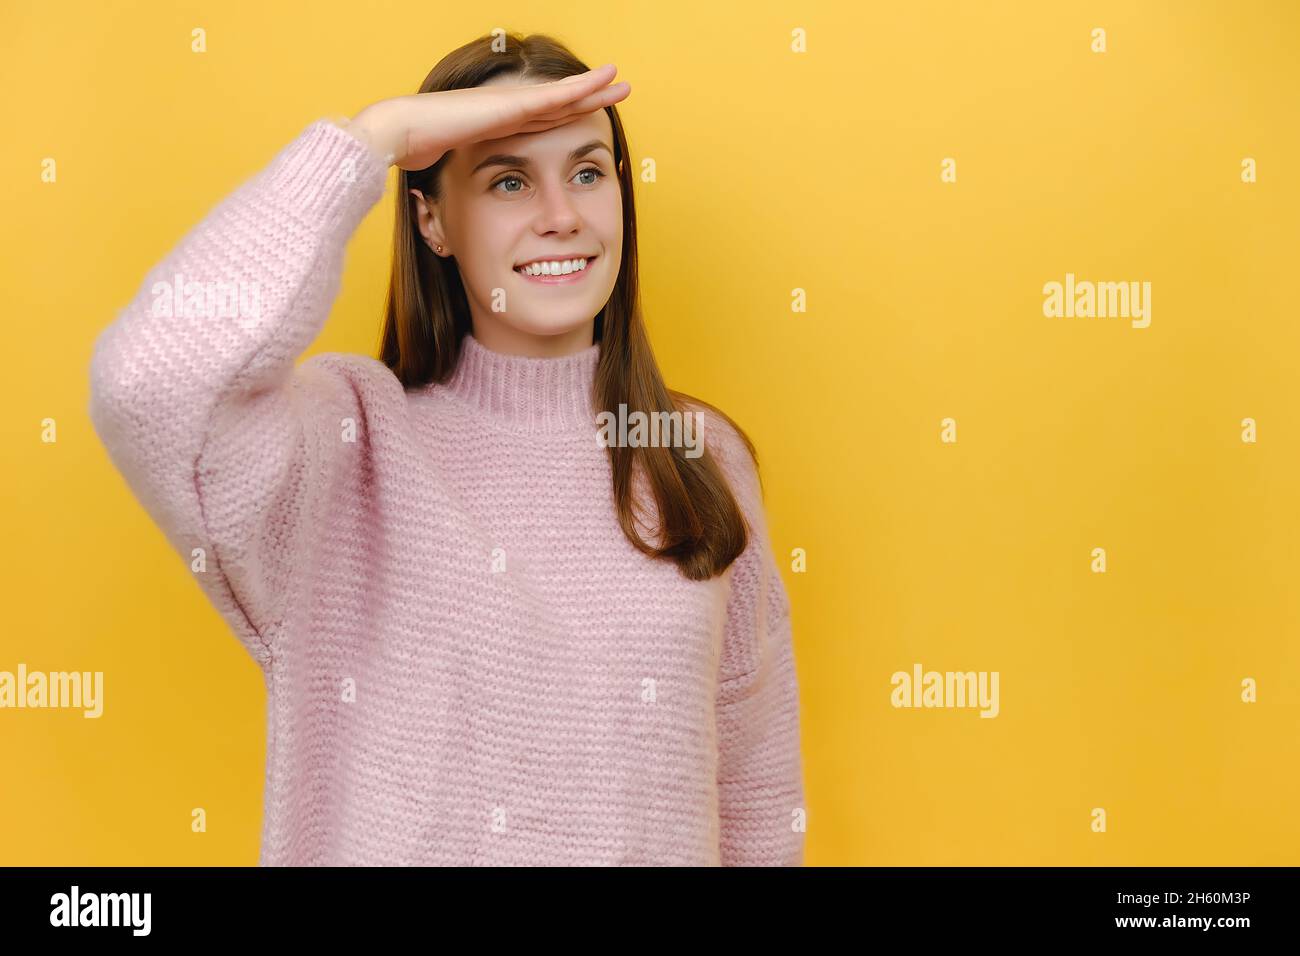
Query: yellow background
pixel 776 170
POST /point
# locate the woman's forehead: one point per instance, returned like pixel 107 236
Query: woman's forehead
pixel 545 147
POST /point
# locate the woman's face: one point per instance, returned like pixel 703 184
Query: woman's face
pixel 548 197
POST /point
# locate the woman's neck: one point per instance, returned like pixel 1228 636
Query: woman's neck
pixel 496 335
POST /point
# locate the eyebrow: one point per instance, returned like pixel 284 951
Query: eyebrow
pixel 505 159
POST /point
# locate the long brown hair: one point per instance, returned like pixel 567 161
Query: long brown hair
pixel 701 528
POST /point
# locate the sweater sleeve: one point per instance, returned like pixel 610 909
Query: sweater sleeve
pixel 760 772
pixel 193 389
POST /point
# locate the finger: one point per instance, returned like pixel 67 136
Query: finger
pixel 588 104
pixel 598 71
pixel 545 97
pixel 601 98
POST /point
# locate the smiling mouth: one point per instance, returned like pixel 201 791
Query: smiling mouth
pixel 565 270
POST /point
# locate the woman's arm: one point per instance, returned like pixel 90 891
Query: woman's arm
pixel 760 771
pixel 193 389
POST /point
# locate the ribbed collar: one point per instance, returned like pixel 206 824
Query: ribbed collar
pixel 525 393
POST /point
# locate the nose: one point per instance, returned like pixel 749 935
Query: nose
pixel 557 212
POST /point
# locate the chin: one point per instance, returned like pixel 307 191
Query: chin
pixel 545 325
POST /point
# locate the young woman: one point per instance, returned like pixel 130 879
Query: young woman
pixel 493 633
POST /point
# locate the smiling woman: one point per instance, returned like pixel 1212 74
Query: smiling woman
pixel 487 203
pixel 488 636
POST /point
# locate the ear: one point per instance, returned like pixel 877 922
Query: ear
pixel 428 217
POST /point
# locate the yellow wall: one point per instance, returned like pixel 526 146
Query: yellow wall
pixel 776 170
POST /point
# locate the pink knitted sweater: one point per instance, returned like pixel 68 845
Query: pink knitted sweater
pixel 466 661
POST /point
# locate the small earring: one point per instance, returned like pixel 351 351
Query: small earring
pixel 439 250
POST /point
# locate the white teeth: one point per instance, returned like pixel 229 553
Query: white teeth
pixel 555 267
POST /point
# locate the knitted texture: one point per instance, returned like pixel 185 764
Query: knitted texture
pixel 466 661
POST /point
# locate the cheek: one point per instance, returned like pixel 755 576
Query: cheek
pixel 484 250
pixel 606 218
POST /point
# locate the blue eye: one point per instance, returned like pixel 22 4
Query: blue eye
pixel 600 174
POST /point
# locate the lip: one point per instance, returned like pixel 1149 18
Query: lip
pixel 560 280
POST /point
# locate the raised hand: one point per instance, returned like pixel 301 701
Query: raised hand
pixel 414 132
